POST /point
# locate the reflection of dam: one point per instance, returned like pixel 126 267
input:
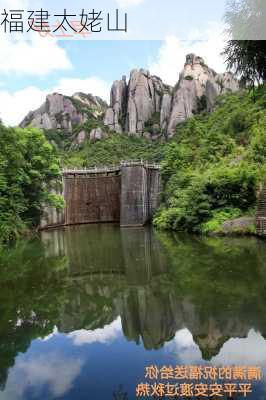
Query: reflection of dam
pixel 127 273
pixel 103 250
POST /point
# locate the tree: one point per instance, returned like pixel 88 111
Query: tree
pixel 28 164
pixel 246 50
pixel 248 59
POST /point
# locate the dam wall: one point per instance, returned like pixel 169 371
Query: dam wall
pixel 128 194
pixel 91 198
pixel 140 192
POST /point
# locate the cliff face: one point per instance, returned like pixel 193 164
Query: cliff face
pixel 143 106
pixel 146 106
pixel 136 106
pixel 60 112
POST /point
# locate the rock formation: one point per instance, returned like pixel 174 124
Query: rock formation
pixel 136 106
pixel 143 106
pixel 146 106
pixel 114 114
pixel 64 113
pixel 197 89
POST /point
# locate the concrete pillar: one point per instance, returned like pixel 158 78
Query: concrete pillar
pixel 154 190
pixel 134 209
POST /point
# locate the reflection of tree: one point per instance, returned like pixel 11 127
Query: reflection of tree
pixel 158 284
pixel 224 278
pixel 30 298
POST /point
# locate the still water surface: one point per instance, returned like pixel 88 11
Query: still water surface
pixel 85 309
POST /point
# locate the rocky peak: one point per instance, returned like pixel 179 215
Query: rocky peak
pixel 115 113
pixel 143 106
pixel 192 59
pixel 146 106
pixel 134 104
pixel 197 89
pixel 60 112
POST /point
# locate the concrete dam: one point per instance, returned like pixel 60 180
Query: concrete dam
pixel 127 194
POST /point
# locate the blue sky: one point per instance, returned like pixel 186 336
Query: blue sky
pixel 32 68
pixel 105 59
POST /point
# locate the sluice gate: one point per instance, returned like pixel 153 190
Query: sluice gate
pixel 128 194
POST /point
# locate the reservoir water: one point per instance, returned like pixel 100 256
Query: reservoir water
pixel 84 310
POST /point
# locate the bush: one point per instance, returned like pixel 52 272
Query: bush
pixel 218 218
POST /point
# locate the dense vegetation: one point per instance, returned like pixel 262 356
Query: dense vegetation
pixel 213 166
pixel 112 150
pixel 28 165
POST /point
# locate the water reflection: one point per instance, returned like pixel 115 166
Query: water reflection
pixel 105 290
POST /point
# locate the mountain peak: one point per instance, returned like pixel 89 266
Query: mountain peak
pixel 147 106
pixel 60 112
pixel 192 59
pixel 142 106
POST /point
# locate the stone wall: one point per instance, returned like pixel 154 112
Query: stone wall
pixel 140 193
pixel 50 215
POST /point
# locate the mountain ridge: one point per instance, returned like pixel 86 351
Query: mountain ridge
pixel 143 106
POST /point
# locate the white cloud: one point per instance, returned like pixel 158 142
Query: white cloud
pixel 106 335
pixel 93 85
pixel 15 106
pixel 184 347
pixel 171 57
pixel 38 57
pixel 54 370
pixel 250 350
pixel 128 3
pixel 51 335
pixel 35 56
